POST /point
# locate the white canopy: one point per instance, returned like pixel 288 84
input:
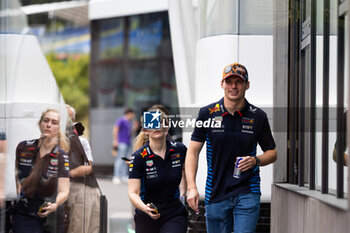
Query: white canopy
pixel 74 11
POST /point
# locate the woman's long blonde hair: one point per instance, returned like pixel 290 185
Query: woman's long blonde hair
pixel 142 138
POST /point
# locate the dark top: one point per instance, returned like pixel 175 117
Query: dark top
pixel 160 179
pixel 58 166
pixel 238 136
pixel 77 157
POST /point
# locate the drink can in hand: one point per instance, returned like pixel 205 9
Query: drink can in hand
pixel 237 172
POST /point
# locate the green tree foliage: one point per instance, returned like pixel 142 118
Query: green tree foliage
pixel 71 73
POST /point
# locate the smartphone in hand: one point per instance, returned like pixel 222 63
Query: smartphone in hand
pixel 41 210
pixel 155 211
pixel 126 159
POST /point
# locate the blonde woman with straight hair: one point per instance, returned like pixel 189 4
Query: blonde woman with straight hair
pixel 156 171
pixel 42 178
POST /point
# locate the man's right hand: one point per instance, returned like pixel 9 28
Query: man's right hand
pixel 193 198
pixel 114 150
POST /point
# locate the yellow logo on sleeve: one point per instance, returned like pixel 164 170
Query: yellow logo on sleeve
pixel 214 109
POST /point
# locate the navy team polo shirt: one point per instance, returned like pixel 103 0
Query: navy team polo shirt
pixel 26 154
pixel 160 178
pixel 237 137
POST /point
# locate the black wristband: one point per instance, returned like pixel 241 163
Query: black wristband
pixel 257 161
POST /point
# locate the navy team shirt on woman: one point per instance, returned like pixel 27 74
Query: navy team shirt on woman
pixel 25 217
pixel 237 137
pixel 160 178
pixel 26 154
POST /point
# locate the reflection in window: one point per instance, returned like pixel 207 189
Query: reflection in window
pixel 132 62
pixel 143 85
pixel 145 36
pixel 111 39
pixel 109 85
pixel 168 90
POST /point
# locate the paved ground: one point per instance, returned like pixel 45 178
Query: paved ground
pixel 120 212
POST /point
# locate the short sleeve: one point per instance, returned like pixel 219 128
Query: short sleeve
pixel 87 149
pixel 19 149
pixel 136 167
pixel 199 134
pixel 118 122
pixel 183 151
pixel 63 169
pixel 265 138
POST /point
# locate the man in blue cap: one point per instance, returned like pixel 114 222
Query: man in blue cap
pixel 231 200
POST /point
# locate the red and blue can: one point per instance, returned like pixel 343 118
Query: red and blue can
pixel 237 172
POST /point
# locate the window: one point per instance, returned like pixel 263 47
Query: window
pixel 132 62
pixel 248 17
pixel 318 98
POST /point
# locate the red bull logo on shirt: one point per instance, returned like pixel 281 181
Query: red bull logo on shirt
pixel 214 109
pixel 144 153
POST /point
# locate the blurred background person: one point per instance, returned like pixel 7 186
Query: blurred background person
pixel 84 195
pixel 42 178
pixel 159 163
pixel 122 131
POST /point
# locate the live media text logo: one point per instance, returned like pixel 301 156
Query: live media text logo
pixel 152 120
